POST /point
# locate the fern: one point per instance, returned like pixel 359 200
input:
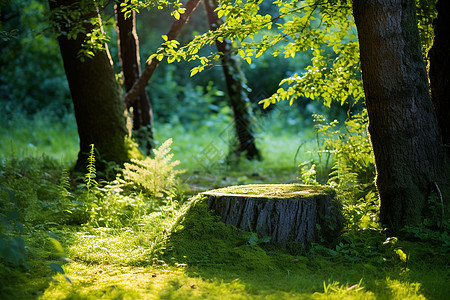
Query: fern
pixel 64 184
pixel 353 168
pixel 89 177
pixel 353 172
pixel 155 176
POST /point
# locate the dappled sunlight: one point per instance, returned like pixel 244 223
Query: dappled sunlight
pixel 235 163
pixel 100 280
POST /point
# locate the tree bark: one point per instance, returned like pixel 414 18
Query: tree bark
pixel 439 71
pixel 151 65
pixel 403 128
pixel 141 109
pixel 234 78
pixel 99 111
pixel 287 213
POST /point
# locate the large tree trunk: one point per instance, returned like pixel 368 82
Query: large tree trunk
pixel 240 104
pixel 99 110
pixel 141 109
pixel 403 128
pixel 290 214
pixel 439 70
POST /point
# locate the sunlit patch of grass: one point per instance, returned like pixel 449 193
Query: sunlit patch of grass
pixel 127 282
pixel 110 246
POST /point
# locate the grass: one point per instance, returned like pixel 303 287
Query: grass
pixel 117 259
pixel 23 136
pixel 103 267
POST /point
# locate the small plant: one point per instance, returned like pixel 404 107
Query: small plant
pixel 255 240
pixel 353 173
pixel 308 176
pixel 89 177
pixel 156 177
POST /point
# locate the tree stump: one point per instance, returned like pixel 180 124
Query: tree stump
pixel 287 213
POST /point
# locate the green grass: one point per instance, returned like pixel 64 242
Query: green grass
pixel 117 259
pixel 23 136
pixel 113 264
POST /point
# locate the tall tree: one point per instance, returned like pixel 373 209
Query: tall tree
pixel 141 109
pixel 439 71
pixel 404 131
pixel 96 96
pixel 237 94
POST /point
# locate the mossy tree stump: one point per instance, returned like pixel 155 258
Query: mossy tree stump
pixel 288 213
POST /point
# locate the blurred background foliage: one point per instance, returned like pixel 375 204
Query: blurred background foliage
pixel 32 76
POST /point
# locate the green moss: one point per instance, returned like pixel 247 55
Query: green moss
pixel 273 191
pixel 199 238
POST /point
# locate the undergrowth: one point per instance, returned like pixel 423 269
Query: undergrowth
pixel 93 238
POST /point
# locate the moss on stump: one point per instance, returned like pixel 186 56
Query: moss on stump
pixel 287 213
pixel 292 215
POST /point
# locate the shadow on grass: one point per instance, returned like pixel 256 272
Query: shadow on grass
pixel 317 276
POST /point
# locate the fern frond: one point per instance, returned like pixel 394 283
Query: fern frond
pixel 91 171
pixel 155 176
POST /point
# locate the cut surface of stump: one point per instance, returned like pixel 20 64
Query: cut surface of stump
pixel 287 213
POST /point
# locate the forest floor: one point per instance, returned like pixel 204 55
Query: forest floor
pixel 114 258
pixel 116 263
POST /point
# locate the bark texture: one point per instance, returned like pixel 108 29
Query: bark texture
pixel 98 108
pixel 439 71
pixel 403 127
pixel 235 82
pixel 141 109
pixel 289 214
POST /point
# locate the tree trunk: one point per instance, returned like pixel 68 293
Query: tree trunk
pixel 141 109
pixel 288 213
pixel 439 70
pixel 240 104
pixel 151 65
pixel 403 128
pixel 99 111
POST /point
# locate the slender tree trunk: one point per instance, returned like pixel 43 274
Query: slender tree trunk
pixel 151 65
pixel 99 111
pixel 403 128
pixel 141 109
pixel 240 104
pixel 439 70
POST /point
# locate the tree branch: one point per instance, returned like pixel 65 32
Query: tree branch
pixel 140 84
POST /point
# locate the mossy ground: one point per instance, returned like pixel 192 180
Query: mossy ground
pixel 201 239
pixel 202 258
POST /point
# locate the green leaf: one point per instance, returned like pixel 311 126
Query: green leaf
pixel 194 71
pixel 57 268
pixel 253 240
pixel 57 245
pixel 160 57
